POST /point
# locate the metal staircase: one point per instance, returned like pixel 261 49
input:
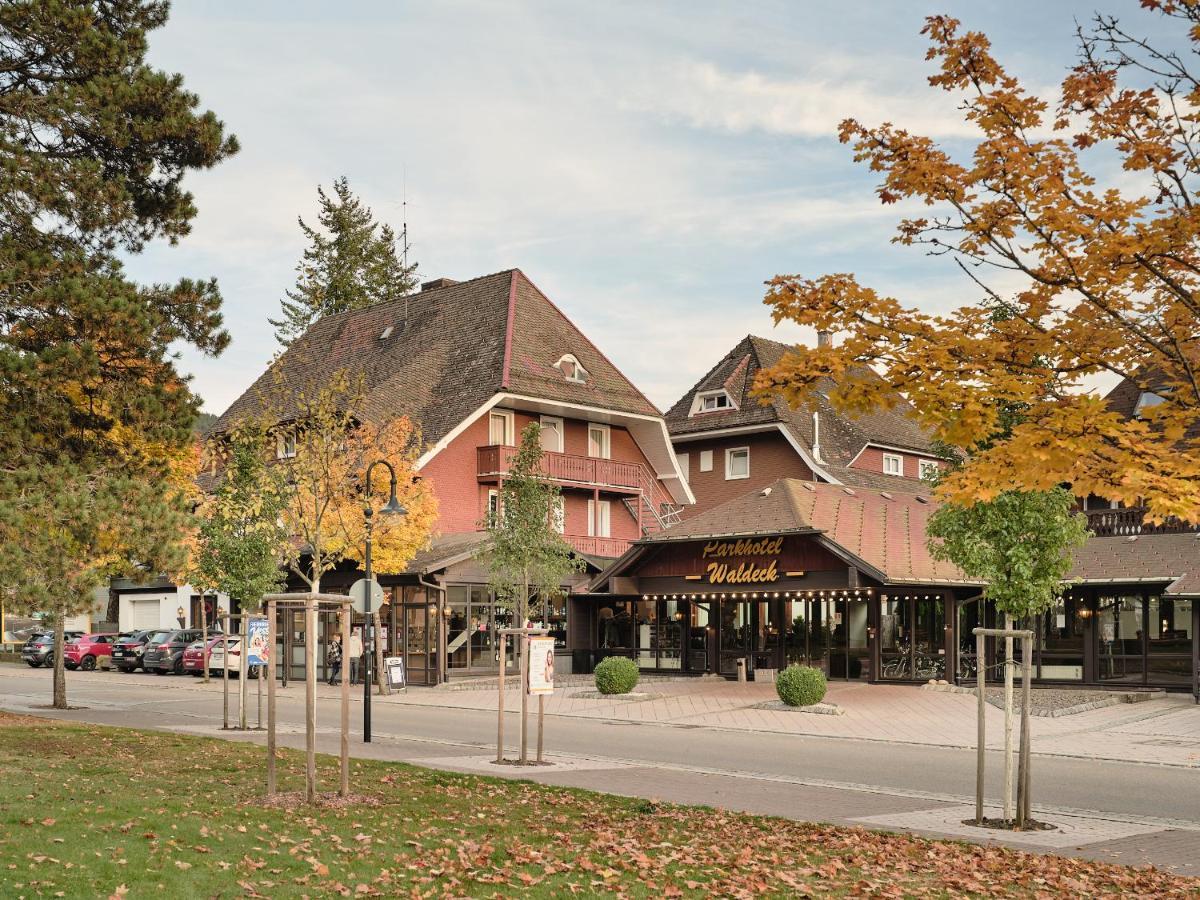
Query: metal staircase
pixel 654 516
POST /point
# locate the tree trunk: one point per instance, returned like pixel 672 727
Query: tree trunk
pixel 377 649
pixel 60 669
pixel 204 635
pixel 1008 721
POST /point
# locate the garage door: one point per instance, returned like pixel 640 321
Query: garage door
pixel 143 614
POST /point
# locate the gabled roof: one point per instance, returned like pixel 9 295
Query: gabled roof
pixel 449 350
pixel 842 437
pixel 883 529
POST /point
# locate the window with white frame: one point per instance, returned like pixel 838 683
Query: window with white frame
pixel 1146 400
pixel 927 468
pixel 685 461
pixel 493 506
pixel 552 434
pixel 285 445
pixel 893 464
pixel 706 460
pixel 560 514
pixel 599 441
pixel 599 518
pixel 572 369
pixel 501 428
pixel 712 401
pixel 737 463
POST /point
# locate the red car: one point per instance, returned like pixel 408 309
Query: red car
pixel 196 655
pixel 83 652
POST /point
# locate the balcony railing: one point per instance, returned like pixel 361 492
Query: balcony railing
pixel 598 546
pixel 1131 520
pixel 496 461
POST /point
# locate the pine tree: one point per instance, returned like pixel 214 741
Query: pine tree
pixel 351 262
pixel 97 444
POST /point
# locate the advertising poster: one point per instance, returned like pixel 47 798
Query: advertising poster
pixel 259 653
pixel 541 666
pixel 394 667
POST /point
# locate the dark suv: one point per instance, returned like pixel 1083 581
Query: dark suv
pixel 127 652
pixel 39 649
pixel 164 650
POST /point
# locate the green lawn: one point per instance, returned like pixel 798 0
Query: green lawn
pixel 87 811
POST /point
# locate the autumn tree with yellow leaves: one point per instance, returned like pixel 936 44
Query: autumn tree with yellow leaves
pixel 324 444
pixel 1106 276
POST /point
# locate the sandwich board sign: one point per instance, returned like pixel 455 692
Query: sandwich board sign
pixel 394 667
pixel 541 666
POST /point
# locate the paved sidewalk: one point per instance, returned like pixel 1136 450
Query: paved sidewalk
pixel 1164 731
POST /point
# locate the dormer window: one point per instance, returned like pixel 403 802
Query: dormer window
pixel 712 401
pixel 1146 400
pixel 285 445
pixel 572 369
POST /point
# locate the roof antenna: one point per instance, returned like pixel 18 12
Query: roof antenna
pixel 404 232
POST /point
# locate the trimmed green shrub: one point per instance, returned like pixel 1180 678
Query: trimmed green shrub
pixel 800 685
pixel 616 675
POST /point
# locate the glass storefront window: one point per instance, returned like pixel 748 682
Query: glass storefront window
pixel 1060 637
pixel 615 625
pixel 1169 641
pixel 1121 635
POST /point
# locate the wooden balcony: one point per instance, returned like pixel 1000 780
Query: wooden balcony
pixel 1131 520
pixel 598 546
pixel 494 462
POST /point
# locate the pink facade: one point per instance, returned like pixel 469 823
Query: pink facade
pixel 466 472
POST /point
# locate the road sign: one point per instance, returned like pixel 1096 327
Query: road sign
pixel 259 651
pixel 541 666
pixel 358 593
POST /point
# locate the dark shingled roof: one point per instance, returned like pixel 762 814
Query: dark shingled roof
pixel 885 529
pixel 460 344
pixel 842 437
pixel 1171 559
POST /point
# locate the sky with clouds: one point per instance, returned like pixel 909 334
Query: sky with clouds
pixel 649 166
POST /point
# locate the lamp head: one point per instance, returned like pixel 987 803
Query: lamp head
pixel 393 507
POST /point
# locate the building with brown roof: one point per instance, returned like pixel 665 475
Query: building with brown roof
pixel 729 442
pixel 472 363
pixel 841 578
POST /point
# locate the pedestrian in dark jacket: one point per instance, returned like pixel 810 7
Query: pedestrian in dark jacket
pixel 333 660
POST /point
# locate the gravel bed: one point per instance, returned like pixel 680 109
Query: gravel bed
pixel 1054 702
pixel 820 709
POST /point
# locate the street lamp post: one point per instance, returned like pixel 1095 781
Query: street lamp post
pixel 391 508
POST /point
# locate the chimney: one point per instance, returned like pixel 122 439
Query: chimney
pixel 437 283
pixel 824 339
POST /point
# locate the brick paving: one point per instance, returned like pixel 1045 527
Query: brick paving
pixel 1164 731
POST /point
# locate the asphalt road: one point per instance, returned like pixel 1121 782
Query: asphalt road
pixel 1099 788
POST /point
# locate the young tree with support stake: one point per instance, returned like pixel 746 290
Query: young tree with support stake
pixel 1020 544
pixel 528 556
pixel 239 544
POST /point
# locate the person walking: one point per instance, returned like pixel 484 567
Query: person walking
pixel 333 659
pixel 356 652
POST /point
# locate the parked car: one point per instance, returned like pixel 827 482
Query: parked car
pixel 164 650
pixel 216 659
pixel 127 651
pixel 197 655
pixel 85 650
pixel 39 649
